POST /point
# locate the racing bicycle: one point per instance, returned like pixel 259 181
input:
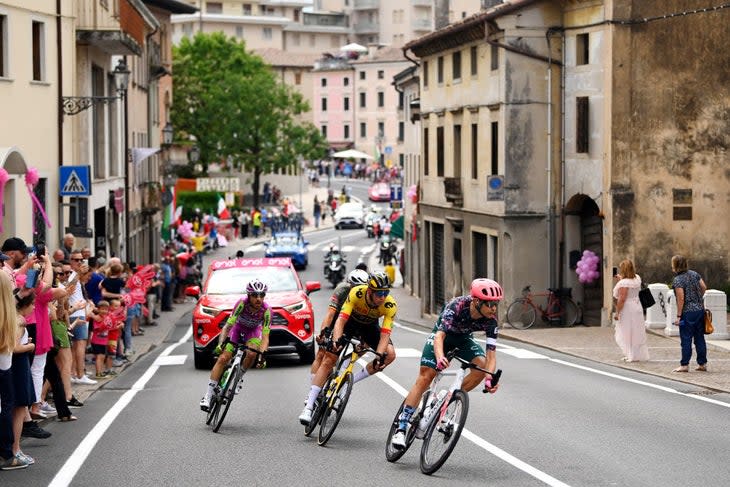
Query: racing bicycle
pixel 439 418
pixel 228 386
pixel 332 399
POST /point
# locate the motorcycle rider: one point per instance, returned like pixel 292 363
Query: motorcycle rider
pixel 331 252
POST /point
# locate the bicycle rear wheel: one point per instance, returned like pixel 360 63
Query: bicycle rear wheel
pixel 521 314
pixel 334 410
pixel 568 312
pixel 226 397
pixel 392 454
pixel 443 433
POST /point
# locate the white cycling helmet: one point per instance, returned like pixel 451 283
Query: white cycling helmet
pixel 357 277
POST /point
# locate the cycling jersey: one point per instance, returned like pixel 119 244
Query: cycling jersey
pixel 248 322
pixel 456 319
pixel 356 308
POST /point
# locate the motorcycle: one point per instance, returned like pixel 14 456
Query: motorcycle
pixel 334 270
pixel 387 249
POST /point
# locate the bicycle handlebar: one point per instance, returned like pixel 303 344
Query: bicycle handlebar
pixel 357 343
pixel 468 365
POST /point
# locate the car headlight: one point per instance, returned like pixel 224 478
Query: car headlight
pixel 210 311
pixel 296 307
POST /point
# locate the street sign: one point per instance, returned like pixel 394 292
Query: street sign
pixel 388 149
pixel 495 188
pixel 396 192
pixel 74 180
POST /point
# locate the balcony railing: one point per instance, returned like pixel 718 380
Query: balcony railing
pixel 452 189
pixel 366 4
pixel 367 28
pixel 422 25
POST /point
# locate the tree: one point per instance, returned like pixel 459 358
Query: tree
pixel 237 110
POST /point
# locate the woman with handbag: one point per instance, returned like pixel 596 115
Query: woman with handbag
pixel 689 289
pixel 630 331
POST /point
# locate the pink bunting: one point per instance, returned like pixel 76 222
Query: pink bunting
pixel 31 179
pixel 4 178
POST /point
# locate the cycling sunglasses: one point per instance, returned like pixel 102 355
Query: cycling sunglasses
pixel 257 295
pixel 381 294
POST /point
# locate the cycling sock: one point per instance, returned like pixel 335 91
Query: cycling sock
pixel 405 416
pixel 313 393
pixel 360 375
pixel 211 386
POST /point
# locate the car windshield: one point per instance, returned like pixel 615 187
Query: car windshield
pixel 234 280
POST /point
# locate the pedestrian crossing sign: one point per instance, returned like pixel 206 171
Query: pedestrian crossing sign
pixel 74 180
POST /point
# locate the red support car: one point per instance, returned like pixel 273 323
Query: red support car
pixel 292 316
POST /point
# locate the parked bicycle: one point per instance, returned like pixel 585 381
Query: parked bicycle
pixel 439 418
pixel 229 385
pixel 560 308
pixel 332 399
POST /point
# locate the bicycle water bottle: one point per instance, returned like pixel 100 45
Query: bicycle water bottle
pixel 224 378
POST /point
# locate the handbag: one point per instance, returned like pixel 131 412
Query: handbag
pixel 646 298
pixel 709 329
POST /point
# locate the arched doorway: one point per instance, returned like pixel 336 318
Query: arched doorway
pixel 12 160
pixel 585 232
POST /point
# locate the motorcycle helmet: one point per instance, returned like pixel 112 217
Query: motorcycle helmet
pixel 486 290
pixel 379 281
pixel 357 277
pixel 256 286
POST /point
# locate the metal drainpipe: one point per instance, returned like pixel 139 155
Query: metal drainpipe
pixel 126 171
pixel 59 74
pixel 549 171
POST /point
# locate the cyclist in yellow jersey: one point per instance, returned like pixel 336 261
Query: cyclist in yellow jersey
pixel 358 318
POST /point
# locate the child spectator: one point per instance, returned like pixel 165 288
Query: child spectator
pixel 103 323
pixel 118 316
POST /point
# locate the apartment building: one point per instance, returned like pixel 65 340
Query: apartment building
pixel 91 85
pixel 334 100
pixel 291 25
pixel 572 126
pixel 395 23
pixel 378 129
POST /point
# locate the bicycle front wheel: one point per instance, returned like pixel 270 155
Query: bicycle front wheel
pixel 393 454
pixel 568 312
pixel 226 397
pixel 521 314
pixel 334 410
pixel 443 433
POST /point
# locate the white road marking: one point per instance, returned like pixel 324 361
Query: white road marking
pixel 68 471
pixel 170 360
pixel 522 353
pixel 484 444
pixel 407 353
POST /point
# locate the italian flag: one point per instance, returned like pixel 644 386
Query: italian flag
pixel 223 212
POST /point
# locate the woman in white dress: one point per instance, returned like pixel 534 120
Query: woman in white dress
pixel 630 331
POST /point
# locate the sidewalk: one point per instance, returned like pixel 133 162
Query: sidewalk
pixel 597 344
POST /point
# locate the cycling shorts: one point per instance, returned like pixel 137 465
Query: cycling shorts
pixel 468 348
pixel 368 333
pixel 229 346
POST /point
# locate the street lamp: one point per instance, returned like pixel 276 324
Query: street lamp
pixel 194 154
pixel 167 134
pixel 71 105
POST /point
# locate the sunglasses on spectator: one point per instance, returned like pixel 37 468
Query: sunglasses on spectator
pixel 381 294
pixel 64 273
pixel 257 295
pixel 77 260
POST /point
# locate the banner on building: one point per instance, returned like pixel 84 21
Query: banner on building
pixel 221 185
